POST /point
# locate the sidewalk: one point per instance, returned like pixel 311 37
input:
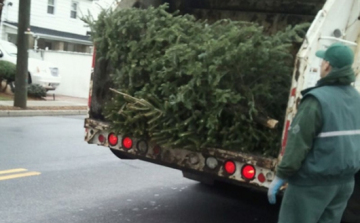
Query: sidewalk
pixel 62 105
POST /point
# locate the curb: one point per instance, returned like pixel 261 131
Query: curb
pixel 22 113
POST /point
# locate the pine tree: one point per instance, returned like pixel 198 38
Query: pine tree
pixel 188 84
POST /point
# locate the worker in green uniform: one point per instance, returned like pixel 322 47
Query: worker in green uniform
pixel 322 154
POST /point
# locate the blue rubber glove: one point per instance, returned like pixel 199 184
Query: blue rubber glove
pixel 274 189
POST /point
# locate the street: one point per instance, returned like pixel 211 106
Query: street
pixel 49 174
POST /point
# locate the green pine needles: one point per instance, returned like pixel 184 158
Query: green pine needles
pixel 188 84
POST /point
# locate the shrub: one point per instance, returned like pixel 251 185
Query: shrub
pixel 7 71
pixel 36 91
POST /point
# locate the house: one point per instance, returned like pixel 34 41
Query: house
pixel 54 24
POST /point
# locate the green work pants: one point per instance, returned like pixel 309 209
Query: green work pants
pixel 315 204
pixel 352 211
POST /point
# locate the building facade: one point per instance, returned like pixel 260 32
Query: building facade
pixel 54 24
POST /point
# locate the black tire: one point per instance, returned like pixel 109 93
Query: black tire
pixel 352 212
pixel 121 155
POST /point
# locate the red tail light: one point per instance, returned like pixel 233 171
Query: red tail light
pixel 127 143
pixel 113 139
pixel 101 138
pixel 248 172
pixel 230 167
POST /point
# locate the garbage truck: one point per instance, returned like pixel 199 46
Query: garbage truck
pixel 331 21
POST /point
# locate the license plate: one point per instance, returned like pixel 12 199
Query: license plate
pixel 54 72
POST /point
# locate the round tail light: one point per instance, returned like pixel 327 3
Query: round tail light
pixel 142 146
pixel 127 143
pixel 230 167
pixel 113 139
pixel 248 172
pixel 211 162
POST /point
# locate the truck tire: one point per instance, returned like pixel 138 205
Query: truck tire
pixel 202 179
pixel 352 212
pixel 121 155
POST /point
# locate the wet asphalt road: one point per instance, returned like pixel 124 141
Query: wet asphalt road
pixel 49 174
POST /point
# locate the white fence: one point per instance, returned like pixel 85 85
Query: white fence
pixel 75 71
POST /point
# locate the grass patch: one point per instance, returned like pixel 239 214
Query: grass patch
pixel 4 97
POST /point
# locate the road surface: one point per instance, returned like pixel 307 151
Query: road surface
pixel 49 174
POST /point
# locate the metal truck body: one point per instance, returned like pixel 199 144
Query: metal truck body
pixel 331 21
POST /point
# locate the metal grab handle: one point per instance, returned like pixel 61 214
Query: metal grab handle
pixel 338 39
pixel 320 14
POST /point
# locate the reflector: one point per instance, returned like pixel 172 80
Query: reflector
pixel 101 138
pixel 261 178
pixel 157 150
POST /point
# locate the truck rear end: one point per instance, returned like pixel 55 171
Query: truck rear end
pixel 331 21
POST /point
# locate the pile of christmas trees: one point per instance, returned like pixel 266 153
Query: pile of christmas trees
pixel 187 84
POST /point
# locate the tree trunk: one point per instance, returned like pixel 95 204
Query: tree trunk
pixel 22 56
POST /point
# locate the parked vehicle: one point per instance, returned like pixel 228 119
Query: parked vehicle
pixel 40 72
pixel 331 21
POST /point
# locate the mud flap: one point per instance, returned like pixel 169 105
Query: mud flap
pixel 121 155
pixel 199 178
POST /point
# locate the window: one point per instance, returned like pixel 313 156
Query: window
pixel 48 45
pixel 73 12
pixel 69 47
pixel 51 7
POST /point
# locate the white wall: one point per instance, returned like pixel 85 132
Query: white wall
pixel 75 72
pixel 60 20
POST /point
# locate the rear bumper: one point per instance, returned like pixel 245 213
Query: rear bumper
pixel 190 161
pixel 49 83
